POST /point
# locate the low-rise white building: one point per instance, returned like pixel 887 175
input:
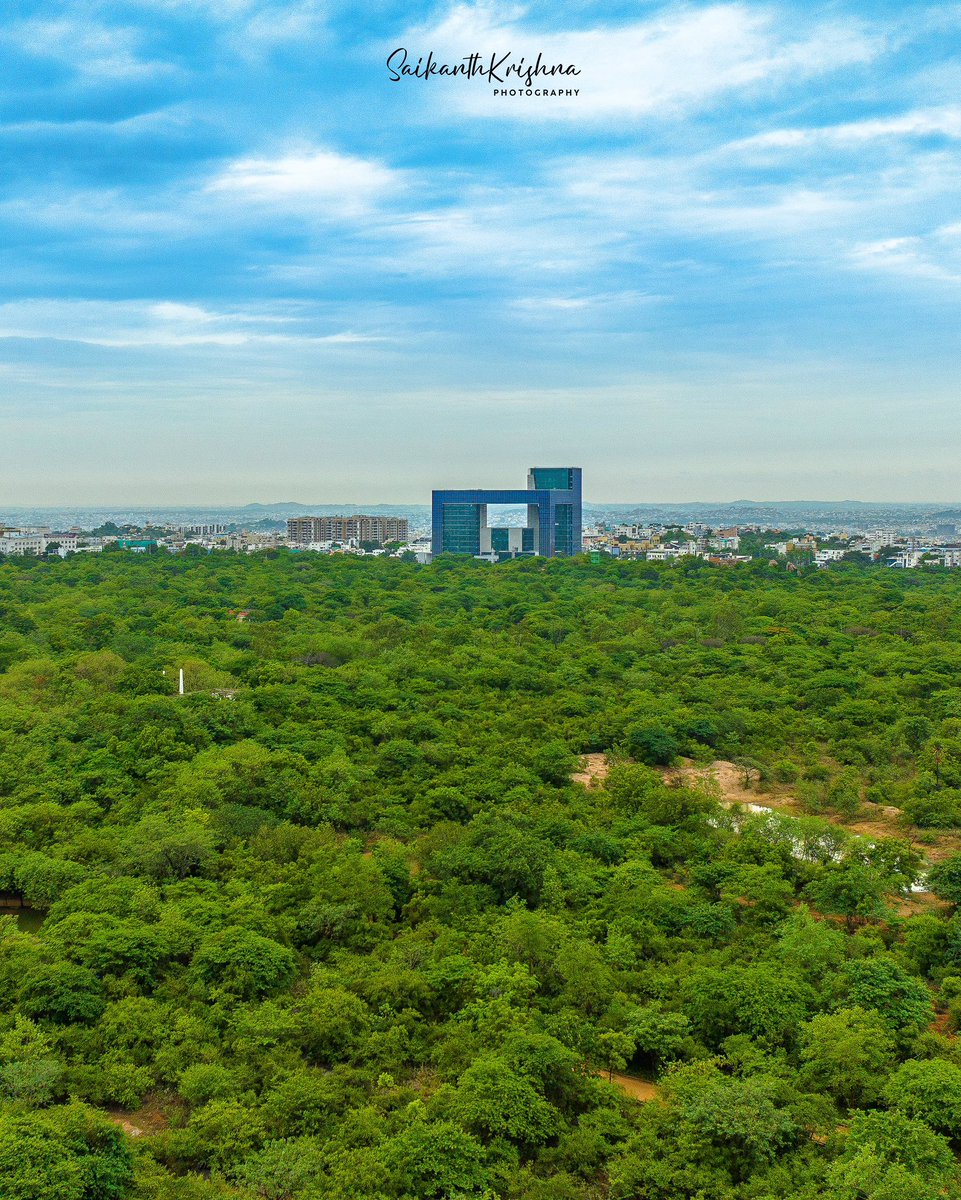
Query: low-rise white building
pixel 17 543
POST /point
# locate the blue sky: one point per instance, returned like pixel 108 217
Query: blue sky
pixel 238 262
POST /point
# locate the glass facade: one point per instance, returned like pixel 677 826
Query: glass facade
pixel 551 479
pixel 564 530
pixel 462 524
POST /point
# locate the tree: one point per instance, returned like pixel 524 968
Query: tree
pixel 333 1022
pixel 495 1101
pixel 850 889
pixel 929 1090
pixel 944 879
pixel 357 930
pixel 35 1165
pixel 70 1153
pixel 662 1036
pixel 881 984
pixel 637 789
pixel 243 963
pixel 168 848
pixel 888 1156
pixel 616 1049
pixel 814 948
pixel 653 745
pixel 436 1160
pixel 29 1070
pixel 847 1054
pixel 766 1003
pixel 287 1169
pixel 220 1134
pixel 743 1122
pixel 62 992
pixel 914 732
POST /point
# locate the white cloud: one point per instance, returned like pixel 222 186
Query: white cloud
pixel 819 213
pixel 163 324
pixel 316 180
pixel 253 27
pixel 276 24
pixel 917 257
pixel 652 197
pixel 518 232
pixel 287 17
pixel 97 52
pixel 550 307
pixel 944 122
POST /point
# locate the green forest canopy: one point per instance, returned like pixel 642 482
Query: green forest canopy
pixel 337 925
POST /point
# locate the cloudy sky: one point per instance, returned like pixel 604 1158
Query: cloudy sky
pixel 239 262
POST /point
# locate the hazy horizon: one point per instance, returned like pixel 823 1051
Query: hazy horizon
pixel 589 502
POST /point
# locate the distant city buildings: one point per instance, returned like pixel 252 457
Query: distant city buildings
pixel 203 530
pixel 552 498
pixel 464 522
pixel 377 530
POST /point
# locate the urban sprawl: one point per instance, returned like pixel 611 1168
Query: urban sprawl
pixel 460 523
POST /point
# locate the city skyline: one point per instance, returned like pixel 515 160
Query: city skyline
pixel 241 263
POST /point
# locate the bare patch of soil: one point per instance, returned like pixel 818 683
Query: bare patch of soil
pixel 919 902
pixel 732 784
pixel 735 782
pixel 594 770
pixel 139 1122
pixel 735 785
pixel 937 844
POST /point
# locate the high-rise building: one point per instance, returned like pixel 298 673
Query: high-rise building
pixel 553 499
pixel 359 528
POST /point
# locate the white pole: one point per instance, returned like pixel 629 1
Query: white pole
pixel 181 681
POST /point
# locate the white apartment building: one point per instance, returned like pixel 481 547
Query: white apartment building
pixel 17 543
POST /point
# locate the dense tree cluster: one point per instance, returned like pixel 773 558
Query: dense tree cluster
pixel 337 924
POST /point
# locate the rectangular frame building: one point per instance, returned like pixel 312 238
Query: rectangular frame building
pixel 553 500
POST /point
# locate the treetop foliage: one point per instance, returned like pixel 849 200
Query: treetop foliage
pixel 339 923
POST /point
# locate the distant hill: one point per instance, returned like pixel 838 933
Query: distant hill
pixel 772 513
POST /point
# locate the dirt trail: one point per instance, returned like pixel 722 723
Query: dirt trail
pixel 641 1090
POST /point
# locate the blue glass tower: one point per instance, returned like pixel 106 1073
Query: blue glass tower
pixel 553 500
